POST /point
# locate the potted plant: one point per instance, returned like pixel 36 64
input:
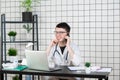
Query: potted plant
pixel 28 28
pixel 12 35
pixel 16 77
pixel 12 52
pixel 87 69
pixel 27 14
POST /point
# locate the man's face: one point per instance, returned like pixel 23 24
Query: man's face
pixel 60 34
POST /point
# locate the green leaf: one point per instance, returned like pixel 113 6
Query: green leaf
pixel 27 27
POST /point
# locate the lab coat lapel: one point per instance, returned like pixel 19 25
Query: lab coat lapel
pixel 63 56
pixel 65 52
pixel 59 50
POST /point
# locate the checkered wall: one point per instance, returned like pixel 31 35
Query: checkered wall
pixel 95 27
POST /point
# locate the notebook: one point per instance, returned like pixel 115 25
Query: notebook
pixel 37 60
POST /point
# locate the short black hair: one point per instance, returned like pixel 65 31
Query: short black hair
pixel 64 25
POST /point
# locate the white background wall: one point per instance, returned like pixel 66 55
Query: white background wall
pixel 95 27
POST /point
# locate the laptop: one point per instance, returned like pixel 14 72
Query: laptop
pixel 37 60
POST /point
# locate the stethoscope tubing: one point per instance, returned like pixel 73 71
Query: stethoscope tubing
pixel 59 52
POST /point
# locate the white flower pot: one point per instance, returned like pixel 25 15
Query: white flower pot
pixel 88 70
pixel 12 38
pixel 13 59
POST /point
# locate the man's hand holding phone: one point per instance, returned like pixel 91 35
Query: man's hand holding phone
pixel 68 47
pixel 68 41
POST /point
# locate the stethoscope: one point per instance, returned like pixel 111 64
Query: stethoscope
pixel 56 51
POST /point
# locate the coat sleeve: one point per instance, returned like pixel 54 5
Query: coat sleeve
pixel 51 53
pixel 77 57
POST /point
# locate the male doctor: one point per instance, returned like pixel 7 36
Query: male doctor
pixel 61 49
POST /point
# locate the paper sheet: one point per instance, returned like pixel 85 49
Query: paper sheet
pixel 76 68
pixel 104 70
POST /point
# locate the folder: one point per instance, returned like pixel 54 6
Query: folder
pixel 18 68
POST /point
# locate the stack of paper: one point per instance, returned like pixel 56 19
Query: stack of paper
pixel 93 69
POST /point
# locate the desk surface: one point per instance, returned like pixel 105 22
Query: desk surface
pixel 63 72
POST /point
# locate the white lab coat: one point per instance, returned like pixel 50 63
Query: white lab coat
pixel 64 59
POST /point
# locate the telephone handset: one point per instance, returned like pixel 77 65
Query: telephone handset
pixel 66 39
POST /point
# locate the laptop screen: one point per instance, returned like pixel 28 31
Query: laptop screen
pixel 37 60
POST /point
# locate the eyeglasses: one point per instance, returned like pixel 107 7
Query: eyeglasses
pixel 59 32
